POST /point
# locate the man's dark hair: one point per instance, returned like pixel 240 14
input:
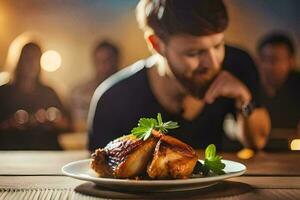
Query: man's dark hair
pixel 277 38
pixel 107 45
pixel 170 17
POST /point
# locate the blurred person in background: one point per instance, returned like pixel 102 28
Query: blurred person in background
pixel 192 78
pixel 106 58
pixel 280 80
pixel 31 114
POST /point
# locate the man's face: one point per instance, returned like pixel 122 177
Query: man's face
pixel 275 63
pixel 105 62
pixel 195 60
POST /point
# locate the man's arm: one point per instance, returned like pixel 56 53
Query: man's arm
pixel 254 128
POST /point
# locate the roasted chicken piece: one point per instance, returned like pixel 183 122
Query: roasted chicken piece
pixel 160 156
pixel 172 158
pixel 125 157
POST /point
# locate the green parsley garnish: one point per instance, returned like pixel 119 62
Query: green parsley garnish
pixel 212 162
pixel 146 125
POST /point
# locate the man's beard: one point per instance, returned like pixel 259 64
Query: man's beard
pixel 195 89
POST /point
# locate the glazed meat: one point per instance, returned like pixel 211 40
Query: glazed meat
pixel 159 157
pixel 100 163
pixel 171 159
pixel 125 157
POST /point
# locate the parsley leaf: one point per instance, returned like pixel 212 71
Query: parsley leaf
pixel 146 125
pixel 212 161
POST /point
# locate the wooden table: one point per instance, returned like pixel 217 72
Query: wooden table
pixel 37 175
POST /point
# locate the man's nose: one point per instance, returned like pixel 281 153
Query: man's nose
pixel 210 60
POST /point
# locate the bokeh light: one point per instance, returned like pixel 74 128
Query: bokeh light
pixel 53 114
pixel 245 154
pixel 21 116
pixel 51 60
pixel 295 145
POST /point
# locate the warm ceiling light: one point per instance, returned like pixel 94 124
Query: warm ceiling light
pixel 50 61
pixel 295 145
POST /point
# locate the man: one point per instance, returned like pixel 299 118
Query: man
pixel 106 61
pixel 280 80
pixel 187 79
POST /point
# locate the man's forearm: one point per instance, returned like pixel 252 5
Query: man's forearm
pixel 254 129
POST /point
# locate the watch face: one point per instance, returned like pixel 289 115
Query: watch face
pixel 247 109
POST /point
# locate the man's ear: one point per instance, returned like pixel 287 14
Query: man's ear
pixel 157 44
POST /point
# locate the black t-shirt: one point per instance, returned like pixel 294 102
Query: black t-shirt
pixel 120 101
pixel 284 107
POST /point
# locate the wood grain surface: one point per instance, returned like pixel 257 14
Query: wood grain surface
pixel 37 175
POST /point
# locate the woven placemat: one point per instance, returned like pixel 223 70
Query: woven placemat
pixel 36 194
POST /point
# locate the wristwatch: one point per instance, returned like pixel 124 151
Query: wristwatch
pixel 247 109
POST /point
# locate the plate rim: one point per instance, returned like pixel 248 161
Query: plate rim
pixel 151 182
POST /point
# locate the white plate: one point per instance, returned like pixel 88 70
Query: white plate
pixel 81 170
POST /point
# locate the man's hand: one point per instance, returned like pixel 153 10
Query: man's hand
pixel 255 128
pixel 226 85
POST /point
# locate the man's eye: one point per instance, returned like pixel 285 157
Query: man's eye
pixel 218 46
pixel 195 53
pixel 192 54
